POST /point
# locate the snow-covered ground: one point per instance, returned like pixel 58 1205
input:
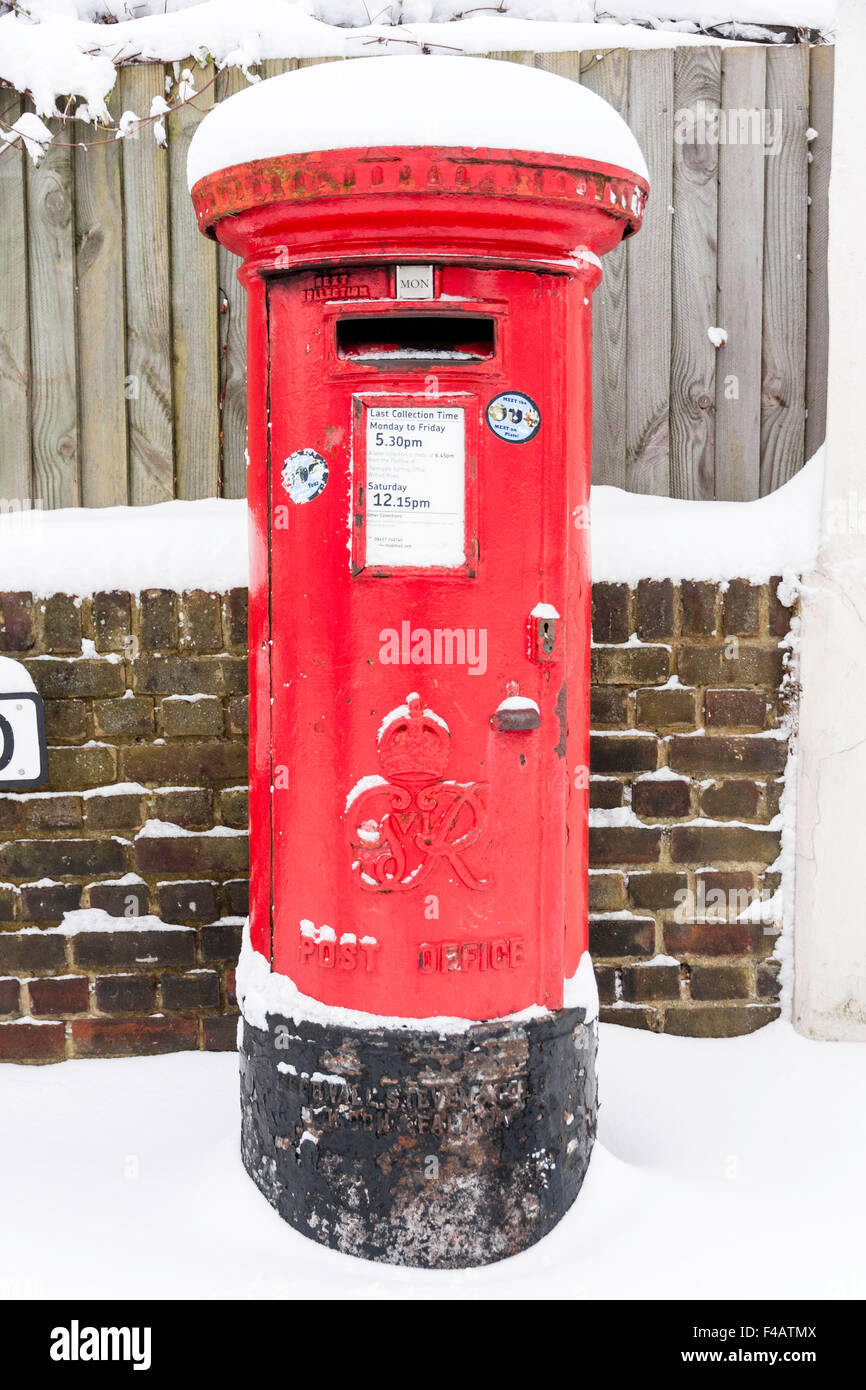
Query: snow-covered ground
pixel 725 1169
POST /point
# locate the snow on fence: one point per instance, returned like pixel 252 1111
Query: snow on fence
pixel 122 351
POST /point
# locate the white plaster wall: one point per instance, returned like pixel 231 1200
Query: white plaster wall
pixel 830 911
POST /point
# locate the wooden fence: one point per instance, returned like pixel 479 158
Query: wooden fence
pixel 122 352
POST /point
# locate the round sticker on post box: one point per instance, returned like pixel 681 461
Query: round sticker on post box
pixel 514 417
pixel 304 475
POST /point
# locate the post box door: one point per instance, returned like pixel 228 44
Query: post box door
pixel 420 640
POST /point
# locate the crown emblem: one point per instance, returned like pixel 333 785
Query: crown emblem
pixel 415 745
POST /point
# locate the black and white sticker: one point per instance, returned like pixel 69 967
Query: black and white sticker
pixel 304 475
pixel 514 417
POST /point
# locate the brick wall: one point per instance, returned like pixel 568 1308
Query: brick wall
pixel 140 828
pixel 690 690
pixel 146 714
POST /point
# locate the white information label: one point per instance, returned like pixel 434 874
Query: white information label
pixel 416 485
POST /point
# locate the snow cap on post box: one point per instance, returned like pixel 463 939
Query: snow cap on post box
pixel 542 154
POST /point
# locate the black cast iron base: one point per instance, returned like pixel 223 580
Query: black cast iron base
pixel 420 1148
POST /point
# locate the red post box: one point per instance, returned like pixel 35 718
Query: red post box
pixel 420 242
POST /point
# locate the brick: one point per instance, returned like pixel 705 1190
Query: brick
pixel 158 620
pixel 11 814
pixel 16 622
pixel 235 807
pixel 610 619
pixel 735 709
pixel 623 844
pixel 605 979
pixel 65 720
pixel 61 624
pixel 725 880
pixel 622 936
pixel 32 1042
pixel 10 991
pixel 714 982
pixel 606 892
pixel 190 675
pixel 749 754
pixel 183 854
pixel 647 984
pixel 21 953
pixel 199 990
pixel 125 994
pixel 184 718
pixel 231 986
pixel 658 798
pixel 220 1033
pixel 201 622
pixel 615 753
pixel 9 900
pixel 710 666
pixel 191 807
pixel 773 798
pixel 741 608
pixel 53 812
pixel 726 844
pixel 767 979
pixel 120 899
pixel 235 608
pixel 718 1021
pixel 115 811
pixel 81 767
pixel 133 1037
pixel 61 994
pixel 184 764
pixel 630 666
pixel 780 616
pixel 605 793
pixel 656 891
pixel 698 604
pixel 48 903
pixel 626 1016
pixel 237 894
pixel 112 623
pixel 654 610
pixel 60 858
pixel 61 678
pixel 126 950
pixel 735 800
pixel 188 901
pixel 712 938
pixel 239 716
pixel 608 704
pixel 666 709
pixel 124 718
pixel 219 941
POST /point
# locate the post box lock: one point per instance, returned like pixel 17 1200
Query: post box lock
pixel 544 633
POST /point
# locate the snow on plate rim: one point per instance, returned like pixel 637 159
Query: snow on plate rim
pixel 398 101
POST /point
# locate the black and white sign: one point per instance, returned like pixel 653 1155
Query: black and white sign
pixel 514 417
pixel 416 484
pixel 414 281
pixel 304 475
pixel 23 760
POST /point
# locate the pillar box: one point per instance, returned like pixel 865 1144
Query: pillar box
pixel 420 240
